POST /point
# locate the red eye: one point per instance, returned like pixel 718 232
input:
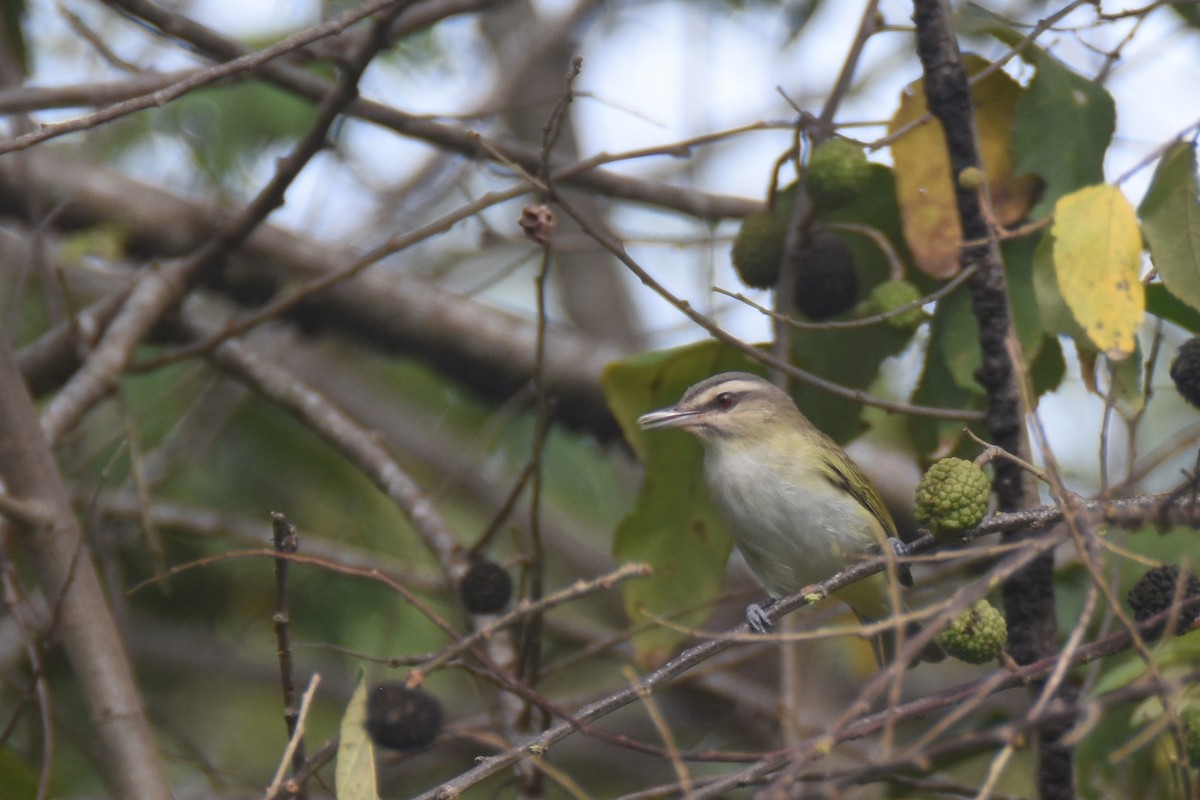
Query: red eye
pixel 725 401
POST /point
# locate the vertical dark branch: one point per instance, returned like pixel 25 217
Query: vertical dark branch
pixel 949 101
pixel 286 540
pixel 1028 595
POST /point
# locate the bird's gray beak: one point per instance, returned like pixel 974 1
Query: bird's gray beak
pixel 666 418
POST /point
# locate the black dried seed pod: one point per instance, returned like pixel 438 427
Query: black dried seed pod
pixel 486 588
pixel 1155 592
pixel 1185 371
pixel 826 279
pixel 402 718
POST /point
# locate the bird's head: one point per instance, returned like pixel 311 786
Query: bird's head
pixel 732 406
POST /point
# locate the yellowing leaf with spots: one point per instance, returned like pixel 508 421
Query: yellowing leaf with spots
pixel 924 187
pixel 1098 260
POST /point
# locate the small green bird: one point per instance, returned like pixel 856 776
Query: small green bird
pixel 798 508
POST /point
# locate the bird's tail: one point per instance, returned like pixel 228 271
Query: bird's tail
pixel 884 645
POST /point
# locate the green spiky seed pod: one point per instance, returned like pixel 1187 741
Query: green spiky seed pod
pixel 953 496
pixel 1190 717
pixel 826 279
pixel 891 295
pixel 838 171
pixel 402 718
pixel 485 588
pixel 977 635
pixel 1154 593
pixel 1185 371
pixel 758 249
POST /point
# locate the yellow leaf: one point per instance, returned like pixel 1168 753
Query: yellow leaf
pixel 354 778
pixel 924 187
pixel 1098 260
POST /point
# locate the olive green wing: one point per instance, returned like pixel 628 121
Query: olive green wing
pixel 846 475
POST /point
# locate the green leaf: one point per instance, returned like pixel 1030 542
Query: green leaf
pixel 1125 383
pixel 1189 11
pixel 1171 222
pixel 1057 319
pixel 1048 368
pixel 673 525
pixel 18 780
pixel 230 124
pixel 876 207
pixel 1161 303
pixel 14 14
pixel 850 357
pixel 957 339
pixel 939 388
pixel 1063 122
pixel 1063 126
pixel 1097 260
pixel 1176 654
pixel 355 775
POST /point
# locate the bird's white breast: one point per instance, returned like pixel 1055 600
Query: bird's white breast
pixel 791 524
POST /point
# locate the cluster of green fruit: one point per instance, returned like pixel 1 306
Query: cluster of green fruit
pixel 977 635
pixel 826 275
pixel 952 498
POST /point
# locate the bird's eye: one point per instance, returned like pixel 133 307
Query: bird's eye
pixel 725 400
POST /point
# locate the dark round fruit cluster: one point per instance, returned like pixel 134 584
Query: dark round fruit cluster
pixel 402 718
pixel 1185 371
pixel 826 277
pixel 486 587
pixel 1154 593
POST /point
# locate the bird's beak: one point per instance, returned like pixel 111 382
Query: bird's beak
pixel 667 418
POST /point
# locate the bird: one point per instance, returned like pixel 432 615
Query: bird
pixel 799 509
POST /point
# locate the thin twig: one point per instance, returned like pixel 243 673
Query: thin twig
pixel 286 540
pixel 295 746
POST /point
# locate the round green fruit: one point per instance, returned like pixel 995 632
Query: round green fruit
pixel 838 171
pixel 758 249
pixel 977 635
pixel 890 295
pixel 953 496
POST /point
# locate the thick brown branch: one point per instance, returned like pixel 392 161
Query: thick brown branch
pixel 487 349
pixel 85 622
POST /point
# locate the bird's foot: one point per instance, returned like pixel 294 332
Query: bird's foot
pixel 899 548
pixel 757 617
